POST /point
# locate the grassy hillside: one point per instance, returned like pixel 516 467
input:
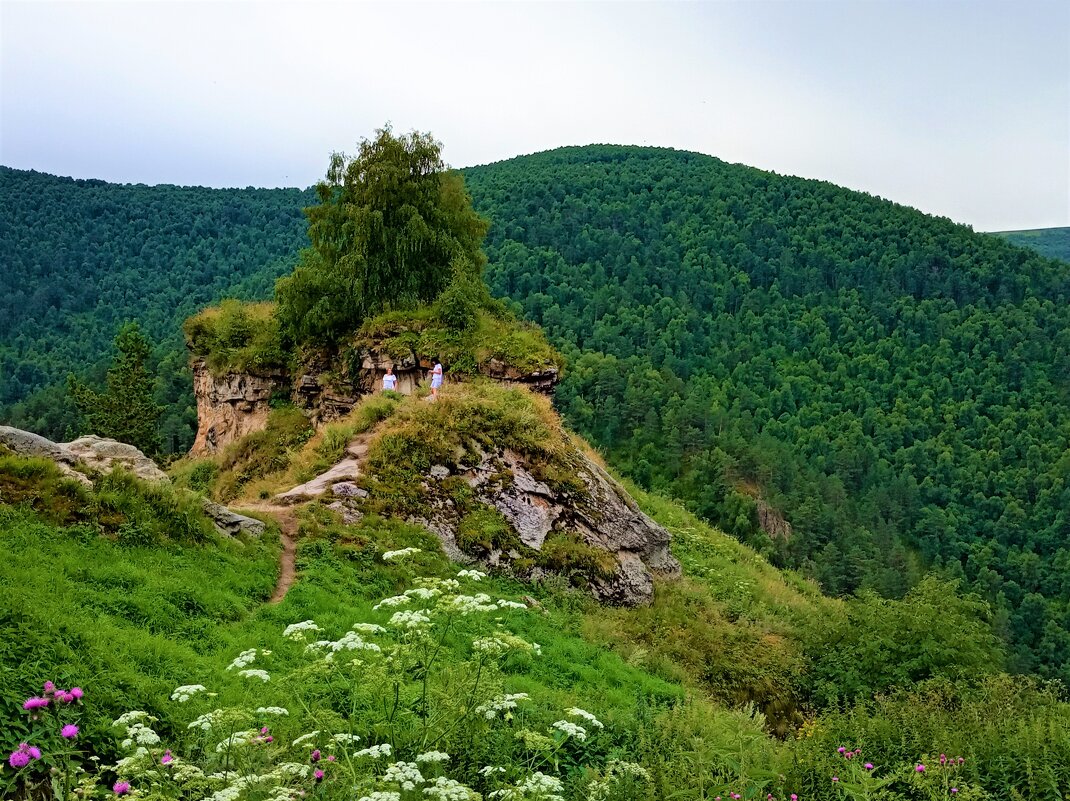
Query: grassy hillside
pixel 139 598
pixel 1051 242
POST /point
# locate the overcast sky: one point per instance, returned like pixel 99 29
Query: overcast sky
pixel 957 107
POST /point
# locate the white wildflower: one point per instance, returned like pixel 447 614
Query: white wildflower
pixel 345 738
pixel 406 774
pixel 504 604
pixel 272 710
pixel 433 756
pixel 382 795
pixel 474 575
pixel 375 751
pixel 186 692
pixel 243 659
pixel 467 604
pixel 576 712
pixel 291 770
pixel 297 631
pixel 570 729
pixel 536 786
pixel 351 641
pixel 253 673
pixel 237 738
pixel 502 703
pixel 410 619
pixel 390 556
pixel 443 789
pixel 129 717
pixel 491 769
pixel 369 628
pixel 305 737
pixel 394 600
pixel 423 593
pixel 140 734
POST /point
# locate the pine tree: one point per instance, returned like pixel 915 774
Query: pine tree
pixel 127 409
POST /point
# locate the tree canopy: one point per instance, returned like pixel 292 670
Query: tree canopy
pixel 392 228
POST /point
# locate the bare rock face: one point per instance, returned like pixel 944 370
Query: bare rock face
pixel 605 517
pixel 105 454
pixel 772 522
pixel 231 406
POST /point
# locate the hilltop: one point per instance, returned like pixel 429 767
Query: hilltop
pixel 1051 242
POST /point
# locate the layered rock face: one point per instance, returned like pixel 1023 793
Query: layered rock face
pixel 231 406
pixel 235 404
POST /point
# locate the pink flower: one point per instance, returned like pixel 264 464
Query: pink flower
pixel 319 775
pixel 269 739
pixel 166 758
pixel 920 768
pixel 18 759
pixel 835 778
pixel 841 749
pixel 33 751
pixel 69 732
pixel 49 687
pixel 77 693
pixel 121 788
pixel 943 759
pixel 794 797
pixel 34 703
pixel 265 730
pixel 961 760
pixel 331 757
pixel 316 755
pixel 954 790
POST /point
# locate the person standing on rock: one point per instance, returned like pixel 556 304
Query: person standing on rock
pixel 390 381
pixel 436 380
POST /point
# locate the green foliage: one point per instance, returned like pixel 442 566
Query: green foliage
pixel 933 633
pixel 1051 242
pixel 261 453
pixel 390 227
pixel 236 337
pixel 126 410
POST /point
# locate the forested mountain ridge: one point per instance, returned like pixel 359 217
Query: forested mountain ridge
pixel 82 256
pixel 894 384
pixel 1051 242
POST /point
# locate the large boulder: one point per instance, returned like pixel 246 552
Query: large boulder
pixel 231 524
pixel 104 455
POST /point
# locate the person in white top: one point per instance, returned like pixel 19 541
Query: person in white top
pixel 390 381
pixel 436 380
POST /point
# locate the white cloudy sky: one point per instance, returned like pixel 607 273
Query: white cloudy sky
pixel 958 107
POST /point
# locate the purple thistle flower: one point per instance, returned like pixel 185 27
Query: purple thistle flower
pixel 121 788
pixel 920 768
pixel 77 693
pixel 166 758
pixel 331 757
pixel 319 775
pixel 49 687
pixel 868 766
pixel 954 790
pixel 265 730
pixel 316 755
pixel 835 778
pixel 35 703
pixel 841 750
pixel 269 739
pixel 18 759
pixel 794 797
pixel 69 732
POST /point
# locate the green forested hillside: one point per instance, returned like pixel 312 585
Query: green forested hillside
pixel 1051 242
pixel 893 385
pixel 81 257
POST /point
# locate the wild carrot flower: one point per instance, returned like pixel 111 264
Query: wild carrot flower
pixel 69 732
pixel 121 788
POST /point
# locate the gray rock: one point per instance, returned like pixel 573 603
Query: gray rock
pixel 439 471
pixel 104 455
pixel 231 524
pixel 26 443
pixel 347 489
pixel 345 471
pixel 349 514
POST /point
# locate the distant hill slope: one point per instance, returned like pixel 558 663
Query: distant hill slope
pixel 894 385
pixel 1051 242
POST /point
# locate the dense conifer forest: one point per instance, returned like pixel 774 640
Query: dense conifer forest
pixel 892 386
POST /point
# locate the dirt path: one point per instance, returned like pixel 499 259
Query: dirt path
pixel 287 520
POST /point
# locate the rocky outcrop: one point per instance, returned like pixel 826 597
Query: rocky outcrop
pixel 538 380
pixel 605 518
pixel 231 524
pixel 103 455
pixel 90 454
pixel 231 405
